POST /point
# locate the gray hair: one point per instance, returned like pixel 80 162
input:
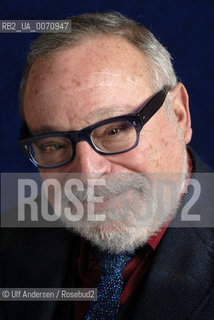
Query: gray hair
pixel 93 25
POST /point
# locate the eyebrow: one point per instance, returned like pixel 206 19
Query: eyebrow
pixel 120 110
pixel 112 111
pixel 44 129
pixel 101 114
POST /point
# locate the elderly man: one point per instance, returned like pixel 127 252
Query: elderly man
pixel 103 102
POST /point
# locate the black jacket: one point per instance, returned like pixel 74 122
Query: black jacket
pixel 178 286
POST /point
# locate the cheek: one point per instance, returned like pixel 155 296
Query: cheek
pixel 166 153
pixel 160 148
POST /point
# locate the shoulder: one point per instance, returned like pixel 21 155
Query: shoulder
pixel 197 162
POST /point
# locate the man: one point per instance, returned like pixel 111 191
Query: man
pixel 103 101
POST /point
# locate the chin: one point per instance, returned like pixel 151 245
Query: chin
pixel 116 236
pixel 133 217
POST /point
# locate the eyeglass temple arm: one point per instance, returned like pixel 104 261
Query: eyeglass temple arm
pixel 153 105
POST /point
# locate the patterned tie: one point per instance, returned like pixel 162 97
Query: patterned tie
pixel 109 286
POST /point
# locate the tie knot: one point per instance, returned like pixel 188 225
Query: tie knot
pixel 111 263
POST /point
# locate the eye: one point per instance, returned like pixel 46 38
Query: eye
pixel 114 131
pixel 118 129
pixel 50 147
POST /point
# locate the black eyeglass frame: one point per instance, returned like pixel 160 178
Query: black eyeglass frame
pixel 138 120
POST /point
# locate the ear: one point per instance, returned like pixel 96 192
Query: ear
pixel 180 103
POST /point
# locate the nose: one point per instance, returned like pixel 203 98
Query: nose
pixel 89 162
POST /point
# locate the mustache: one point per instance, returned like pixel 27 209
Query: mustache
pixel 113 187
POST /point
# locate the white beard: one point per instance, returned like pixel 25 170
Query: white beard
pixel 135 210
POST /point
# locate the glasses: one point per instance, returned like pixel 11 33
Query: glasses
pixel 108 137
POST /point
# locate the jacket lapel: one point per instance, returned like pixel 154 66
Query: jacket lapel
pixel 178 282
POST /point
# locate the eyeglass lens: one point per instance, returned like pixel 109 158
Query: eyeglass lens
pixel 109 138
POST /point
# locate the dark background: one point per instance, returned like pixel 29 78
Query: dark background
pixel 185 27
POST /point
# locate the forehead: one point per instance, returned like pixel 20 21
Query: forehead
pixel 112 53
pixel 102 72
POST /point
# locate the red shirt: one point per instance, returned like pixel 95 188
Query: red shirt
pixel 133 272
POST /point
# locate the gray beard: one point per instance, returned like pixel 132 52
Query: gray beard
pixel 138 206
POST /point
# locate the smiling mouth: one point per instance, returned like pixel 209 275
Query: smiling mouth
pixel 108 202
pixel 101 201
